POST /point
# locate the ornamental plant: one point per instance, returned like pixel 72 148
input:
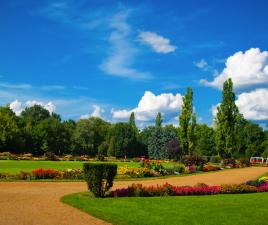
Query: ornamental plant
pixel 197 190
pixel 263 179
pixel 99 177
pixel 263 188
pixel 137 190
pixel 190 160
pixel 230 162
pixel 237 188
pixel 136 172
pixel 45 173
pixel 211 167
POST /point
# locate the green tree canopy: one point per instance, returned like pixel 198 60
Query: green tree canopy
pixel 10 134
pixel 122 140
pixel 89 135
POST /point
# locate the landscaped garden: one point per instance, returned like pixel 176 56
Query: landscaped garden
pixel 138 204
pixel 43 148
pixel 27 167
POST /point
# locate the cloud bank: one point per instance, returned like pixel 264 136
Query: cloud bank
pixel 245 69
pixel 97 112
pixel 149 105
pixel 17 107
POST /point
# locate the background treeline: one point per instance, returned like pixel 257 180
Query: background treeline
pixel 37 131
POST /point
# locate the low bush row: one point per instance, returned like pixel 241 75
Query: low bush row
pixel 138 190
pixel 45 174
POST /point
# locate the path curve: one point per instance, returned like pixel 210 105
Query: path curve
pixel 38 203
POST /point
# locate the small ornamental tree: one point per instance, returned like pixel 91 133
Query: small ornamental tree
pixel 157 143
pixel 173 148
pixel 99 177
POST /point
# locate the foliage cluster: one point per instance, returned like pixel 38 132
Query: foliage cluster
pixel 99 177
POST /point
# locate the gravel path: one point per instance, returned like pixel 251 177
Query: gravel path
pixel 38 203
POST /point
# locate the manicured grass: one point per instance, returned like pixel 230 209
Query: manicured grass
pixel 239 209
pixel 15 166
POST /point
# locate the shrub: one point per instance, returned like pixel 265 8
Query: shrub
pixel 137 190
pixel 255 183
pixel 192 169
pixel 201 185
pixel 176 169
pixel 229 162
pixel 215 159
pixel 68 158
pixel 244 162
pixel 237 188
pixel 173 149
pixel 22 175
pixel 82 158
pixel 45 173
pixel 263 188
pixel 51 156
pixel 136 172
pixel 263 179
pixel 72 174
pixel 199 190
pixel 5 176
pixel 99 177
pixel 211 167
pixel 157 167
pixel 100 157
pixel 190 160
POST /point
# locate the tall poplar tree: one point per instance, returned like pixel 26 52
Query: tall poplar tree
pixel 226 121
pixel 158 120
pixel 132 123
pixel 187 121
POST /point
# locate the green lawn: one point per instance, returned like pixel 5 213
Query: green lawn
pixel 15 166
pixel 242 209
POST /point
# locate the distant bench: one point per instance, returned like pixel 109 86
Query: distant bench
pixel 258 160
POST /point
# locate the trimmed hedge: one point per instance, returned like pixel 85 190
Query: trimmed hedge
pixel 99 177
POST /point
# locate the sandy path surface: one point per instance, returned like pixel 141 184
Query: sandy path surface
pixel 38 203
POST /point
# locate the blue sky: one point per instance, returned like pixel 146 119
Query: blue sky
pixel 108 58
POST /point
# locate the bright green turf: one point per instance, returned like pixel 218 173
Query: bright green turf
pixel 242 209
pixel 14 166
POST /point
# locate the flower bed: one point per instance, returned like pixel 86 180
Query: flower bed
pixel 136 172
pixel 137 190
pixel 41 173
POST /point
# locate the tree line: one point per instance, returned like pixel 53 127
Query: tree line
pixel 37 131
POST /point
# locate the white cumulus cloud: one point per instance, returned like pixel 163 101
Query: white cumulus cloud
pixel 17 107
pixel 253 105
pixel 157 42
pixel 245 69
pixel 48 106
pixel 149 105
pixel 97 112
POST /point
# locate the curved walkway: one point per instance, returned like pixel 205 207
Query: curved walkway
pixel 38 203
